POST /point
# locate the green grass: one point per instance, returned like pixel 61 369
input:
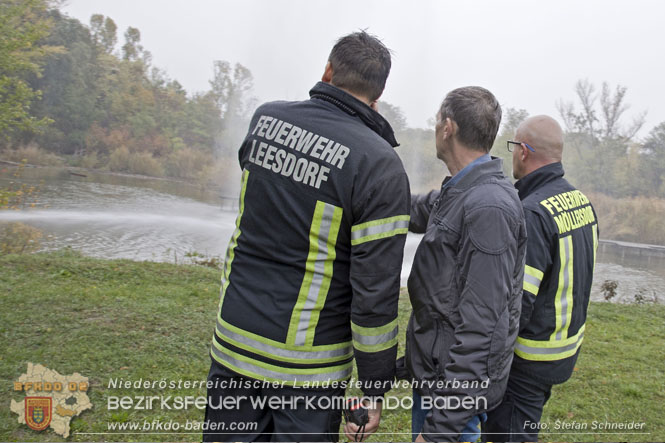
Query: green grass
pixel 130 320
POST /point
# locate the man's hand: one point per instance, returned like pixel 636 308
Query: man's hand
pixel 420 438
pixel 374 412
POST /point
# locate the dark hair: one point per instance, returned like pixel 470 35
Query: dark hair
pixel 477 114
pixel 361 64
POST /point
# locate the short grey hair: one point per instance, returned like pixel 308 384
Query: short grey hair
pixel 477 114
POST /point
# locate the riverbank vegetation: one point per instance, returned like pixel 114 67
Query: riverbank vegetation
pixel 89 95
pixel 89 100
pixel 17 237
pixel 119 319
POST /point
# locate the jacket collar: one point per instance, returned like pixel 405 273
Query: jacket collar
pixel 530 182
pixel 352 106
pixel 477 173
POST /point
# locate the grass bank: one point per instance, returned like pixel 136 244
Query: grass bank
pixel 187 164
pixel 153 321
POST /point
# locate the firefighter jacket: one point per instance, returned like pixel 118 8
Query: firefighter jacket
pixel 465 289
pixel 561 254
pixel 312 273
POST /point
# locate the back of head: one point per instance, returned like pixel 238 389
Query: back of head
pixel 545 135
pixel 361 64
pixel 477 114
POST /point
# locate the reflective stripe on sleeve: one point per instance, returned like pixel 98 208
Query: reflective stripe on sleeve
pixel 374 339
pixel 532 279
pixel 549 350
pixel 377 229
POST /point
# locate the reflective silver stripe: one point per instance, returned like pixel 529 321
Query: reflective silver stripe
pixel 532 280
pixel 564 291
pixel 279 352
pixel 290 375
pixel 317 278
pixel 379 229
pixel 371 340
pixel 543 350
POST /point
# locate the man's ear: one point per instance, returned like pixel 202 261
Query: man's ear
pixel 449 128
pixel 327 73
pixel 525 152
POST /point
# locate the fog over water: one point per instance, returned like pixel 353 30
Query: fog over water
pixel 111 216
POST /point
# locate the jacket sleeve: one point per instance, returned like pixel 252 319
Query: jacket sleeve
pixel 489 257
pixel 538 262
pixel 421 207
pixel 377 246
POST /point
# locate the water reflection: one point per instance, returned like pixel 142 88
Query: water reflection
pixel 126 217
pixel 113 216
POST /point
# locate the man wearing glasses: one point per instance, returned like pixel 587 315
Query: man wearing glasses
pixel 561 253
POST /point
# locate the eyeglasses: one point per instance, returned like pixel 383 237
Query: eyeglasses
pixel 510 148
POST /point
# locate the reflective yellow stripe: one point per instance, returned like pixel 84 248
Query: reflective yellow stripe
pixel 327 272
pixel 563 302
pixel 532 279
pixel 226 272
pixel 264 371
pixel 594 228
pixel 318 274
pixel 377 229
pixel 374 339
pixel 529 287
pixel 281 351
pixel 534 272
pixel 569 291
pixel 549 350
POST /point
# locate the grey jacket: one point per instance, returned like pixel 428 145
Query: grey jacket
pixel 465 288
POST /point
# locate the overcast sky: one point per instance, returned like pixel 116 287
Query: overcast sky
pixel 528 53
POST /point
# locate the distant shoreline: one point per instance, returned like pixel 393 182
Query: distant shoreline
pixel 101 171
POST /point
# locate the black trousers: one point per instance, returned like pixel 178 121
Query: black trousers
pixel 242 409
pixel 517 418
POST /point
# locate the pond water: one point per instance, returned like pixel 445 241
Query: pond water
pixel 112 216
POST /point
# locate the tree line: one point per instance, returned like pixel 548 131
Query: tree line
pixel 84 95
pixel 623 174
pixel 81 93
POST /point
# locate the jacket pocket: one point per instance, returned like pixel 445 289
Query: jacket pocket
pixel 420 343
pixel 441 348
pixel 500 349
pixel 448 234
pixel 436 351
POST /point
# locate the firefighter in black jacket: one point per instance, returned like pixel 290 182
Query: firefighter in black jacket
pixel 561 253
pixel 311 276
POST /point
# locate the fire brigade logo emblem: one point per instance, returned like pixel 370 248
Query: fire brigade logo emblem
pixel 38 412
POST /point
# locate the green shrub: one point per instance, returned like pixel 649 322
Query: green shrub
pixel 224 174
pixel 186 163
pixel 119 160
pixel 33 155
pixel 636 219
pixel 90 160
pixel 145 164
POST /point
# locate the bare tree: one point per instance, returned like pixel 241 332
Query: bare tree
pixel 612 108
